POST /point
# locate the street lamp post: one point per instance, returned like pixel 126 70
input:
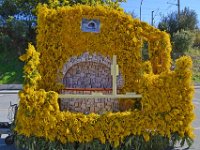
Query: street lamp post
pixel 152 18
pixel 141 10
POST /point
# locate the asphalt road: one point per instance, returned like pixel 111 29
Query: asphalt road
pixel 196 123
pixel 5 100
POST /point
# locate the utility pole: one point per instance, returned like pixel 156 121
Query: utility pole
pixel 178 6
pixel 179 9
pixel 152 17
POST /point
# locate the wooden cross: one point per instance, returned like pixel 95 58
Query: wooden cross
pixel 114 95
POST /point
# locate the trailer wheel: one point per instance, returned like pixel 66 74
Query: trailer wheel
pixel 9 140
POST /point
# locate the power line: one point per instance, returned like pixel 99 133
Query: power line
pixel 179 11
pixel 178 6
pixel 168 8
pixel 153 16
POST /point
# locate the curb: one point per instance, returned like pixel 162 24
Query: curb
pixel 10 86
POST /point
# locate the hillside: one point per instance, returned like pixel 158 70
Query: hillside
pixel 10 68
pixel 196 66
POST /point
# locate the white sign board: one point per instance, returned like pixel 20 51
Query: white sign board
pixel 92 25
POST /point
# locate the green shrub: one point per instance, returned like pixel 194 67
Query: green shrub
pixel 196 43
pixel 156 142
pixel 182 42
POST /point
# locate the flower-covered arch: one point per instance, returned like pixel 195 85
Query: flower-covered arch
pixel 166 104
pixel 60 37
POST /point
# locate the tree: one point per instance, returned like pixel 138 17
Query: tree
pixel 173 22
pixel 132 14
pixel 169 23
pixel 182 41
pixel 188 20
pixel 18 17
pixel 8 8
pixel 17 24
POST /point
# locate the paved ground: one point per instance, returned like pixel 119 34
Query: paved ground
pixel 6 98
pixel 196 123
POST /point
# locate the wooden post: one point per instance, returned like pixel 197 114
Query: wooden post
pixel 114 73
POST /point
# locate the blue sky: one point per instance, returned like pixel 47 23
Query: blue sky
pixel 160 8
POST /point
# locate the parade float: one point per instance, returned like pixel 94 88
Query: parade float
pixel 87 87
